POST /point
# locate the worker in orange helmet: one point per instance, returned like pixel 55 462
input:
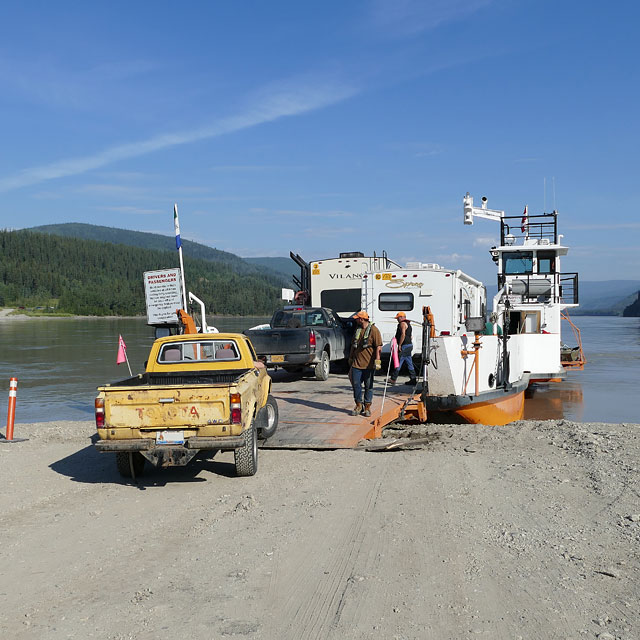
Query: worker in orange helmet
pixel 405 348
pixel 364 359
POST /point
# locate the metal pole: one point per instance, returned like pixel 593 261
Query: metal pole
pixel 384 393
pixel 179 241
pixel 11 414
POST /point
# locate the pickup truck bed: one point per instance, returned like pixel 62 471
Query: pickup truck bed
pixel 301 337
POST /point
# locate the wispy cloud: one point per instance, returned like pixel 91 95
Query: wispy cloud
pixel 271 103
pixel 452 258
pixel 257 167
pixel 602 227
pixel 402 18
pixel 44 81
pixel 484 241
pixel 328 232
pixel 302 214
pixel 133 210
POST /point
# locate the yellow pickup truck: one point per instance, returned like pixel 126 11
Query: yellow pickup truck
pixel 200 392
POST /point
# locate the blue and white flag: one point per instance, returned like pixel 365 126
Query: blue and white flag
pixel 176 224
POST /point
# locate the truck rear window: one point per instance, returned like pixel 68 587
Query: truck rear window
pixel 295 319
pixel 198 351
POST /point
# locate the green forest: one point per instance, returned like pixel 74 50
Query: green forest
pixel 90 277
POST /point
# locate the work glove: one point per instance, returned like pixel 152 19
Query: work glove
pixel 378 365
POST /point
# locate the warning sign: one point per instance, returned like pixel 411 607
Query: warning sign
pixel 163 295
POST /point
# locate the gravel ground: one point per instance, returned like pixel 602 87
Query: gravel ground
pixel 526 531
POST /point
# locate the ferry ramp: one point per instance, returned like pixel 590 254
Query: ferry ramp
pixel 317 414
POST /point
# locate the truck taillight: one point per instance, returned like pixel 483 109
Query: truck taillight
pixel 312 338
pixel 236 409
pixel 99 406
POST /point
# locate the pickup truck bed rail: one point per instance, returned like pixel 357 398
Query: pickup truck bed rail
pixel 182 378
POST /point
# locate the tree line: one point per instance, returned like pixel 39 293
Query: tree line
pixel 88 277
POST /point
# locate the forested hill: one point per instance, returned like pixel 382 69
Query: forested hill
pixel 87 277
pixel 156 241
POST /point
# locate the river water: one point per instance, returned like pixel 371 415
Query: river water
pixel 59 362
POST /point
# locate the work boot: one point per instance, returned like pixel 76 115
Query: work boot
pixel 412 382
pixel 358 410
pixel 391 381
pixel 367 409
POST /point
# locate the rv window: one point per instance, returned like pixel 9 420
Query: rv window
pixel 517 262
pixel 395 301
pixel 341 300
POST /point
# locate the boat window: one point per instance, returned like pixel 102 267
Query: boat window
pixel 546 262
pixel 199 350
pixel 395 301
pixel 341 300
pixel 517 262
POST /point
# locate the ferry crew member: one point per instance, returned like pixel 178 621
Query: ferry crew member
pixel 364 359
pixel 405 348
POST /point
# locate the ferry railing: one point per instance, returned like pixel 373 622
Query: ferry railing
pixel 569 293
pixel 563 287
pixel 543 226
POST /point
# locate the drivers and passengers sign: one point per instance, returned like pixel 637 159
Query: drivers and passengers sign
pixel 163 295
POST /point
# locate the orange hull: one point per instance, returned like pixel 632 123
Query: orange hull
pixel 494 413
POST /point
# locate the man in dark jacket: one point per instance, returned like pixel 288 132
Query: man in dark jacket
pixel 364 359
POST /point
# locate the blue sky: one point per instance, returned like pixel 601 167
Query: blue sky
pixel 331 126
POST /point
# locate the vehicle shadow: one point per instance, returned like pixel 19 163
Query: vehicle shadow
pixel 323 406
pixel 89 466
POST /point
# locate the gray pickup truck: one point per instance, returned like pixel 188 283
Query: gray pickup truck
pixel 299 337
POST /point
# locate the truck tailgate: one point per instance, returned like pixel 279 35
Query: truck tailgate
pixel 279 341
pixel 166 407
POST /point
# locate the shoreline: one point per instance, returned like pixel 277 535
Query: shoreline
pixel 8 315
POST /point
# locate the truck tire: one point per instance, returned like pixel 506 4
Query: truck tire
pixel 128 460
pixel 246 457
pixel 271 419
pixel 322 368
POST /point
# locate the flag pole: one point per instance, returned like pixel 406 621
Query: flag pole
pixel 179 247
pixel 126 357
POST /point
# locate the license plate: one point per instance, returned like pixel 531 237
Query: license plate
pixel 277 358
pixel 170 437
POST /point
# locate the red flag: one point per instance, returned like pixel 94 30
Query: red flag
pixel 525 219
pixel 122 347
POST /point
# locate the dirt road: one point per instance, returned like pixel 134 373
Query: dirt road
pixel 525 531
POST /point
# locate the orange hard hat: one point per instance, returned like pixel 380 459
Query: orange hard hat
pixel 401 314
pixel 361 314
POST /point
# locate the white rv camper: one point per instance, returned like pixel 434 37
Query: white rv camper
pixel 452 296
pixel 336 283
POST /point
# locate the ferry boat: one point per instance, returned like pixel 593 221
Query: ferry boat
pixel 534 296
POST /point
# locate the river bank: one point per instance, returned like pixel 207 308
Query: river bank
pixel 529 530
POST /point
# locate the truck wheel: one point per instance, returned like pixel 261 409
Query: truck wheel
pixel 246 457
pixel 128 460
pixel 271 409
pixel 322 368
